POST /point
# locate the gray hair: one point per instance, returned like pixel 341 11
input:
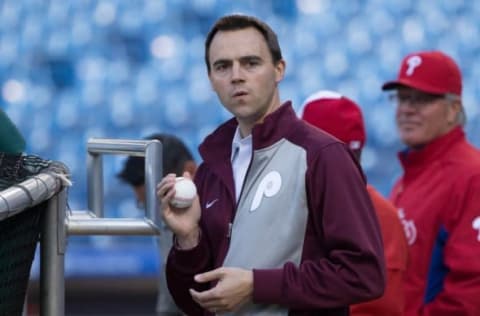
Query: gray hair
pixel 461 118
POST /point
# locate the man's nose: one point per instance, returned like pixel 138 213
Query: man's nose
pixel 407 106
pixel 405 109
pixel 237 72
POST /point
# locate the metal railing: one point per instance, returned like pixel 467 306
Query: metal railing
pixel 48 185
pixel 92 222
pixel 59 223
pixel 28 193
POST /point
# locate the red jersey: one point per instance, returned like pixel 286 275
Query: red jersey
pixel 396 249
pixel 438 200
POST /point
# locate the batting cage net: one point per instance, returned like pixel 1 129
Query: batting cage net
pixel 20 228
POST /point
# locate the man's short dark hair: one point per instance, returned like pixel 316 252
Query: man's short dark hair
pixel 175 155
pixel 238 22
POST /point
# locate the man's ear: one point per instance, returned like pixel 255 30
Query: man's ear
pixel 455 112
pixel 211 83
pixel 280 70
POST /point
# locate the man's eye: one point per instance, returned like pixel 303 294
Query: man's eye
pixel 220 67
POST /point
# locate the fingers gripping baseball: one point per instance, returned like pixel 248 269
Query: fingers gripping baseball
pixel 179 203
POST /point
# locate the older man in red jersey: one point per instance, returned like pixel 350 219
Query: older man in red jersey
pixel 438 195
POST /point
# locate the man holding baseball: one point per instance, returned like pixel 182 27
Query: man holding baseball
pixel 282 224
pixel 176 158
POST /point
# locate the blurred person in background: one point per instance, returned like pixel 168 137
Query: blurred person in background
pixel 342 118
pixel 438 195
pixel 283 224
pixel 176 159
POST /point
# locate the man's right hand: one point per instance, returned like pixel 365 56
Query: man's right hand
pixel 182 222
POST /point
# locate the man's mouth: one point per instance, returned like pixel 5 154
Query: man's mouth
pixel 408 125
pixel 406 122
pixel 239 94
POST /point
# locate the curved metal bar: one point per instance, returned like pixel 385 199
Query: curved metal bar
pixel 110 226
pixel 28 193
pixel 150 149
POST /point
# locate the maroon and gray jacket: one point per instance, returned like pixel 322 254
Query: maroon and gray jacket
pixel 304 222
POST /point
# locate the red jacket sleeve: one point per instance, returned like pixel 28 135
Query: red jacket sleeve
pixel 461 291
pixel 396 254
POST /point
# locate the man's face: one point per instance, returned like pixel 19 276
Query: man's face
pixel 140 195
pixel 243 74
pixel 422 117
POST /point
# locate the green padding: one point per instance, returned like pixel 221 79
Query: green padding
pixel 11 141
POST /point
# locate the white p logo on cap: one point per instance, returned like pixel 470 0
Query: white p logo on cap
pixel 413 62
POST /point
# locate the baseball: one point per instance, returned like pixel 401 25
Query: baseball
pixel 185 192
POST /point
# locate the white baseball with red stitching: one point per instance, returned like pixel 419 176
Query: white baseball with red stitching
pixel 185 192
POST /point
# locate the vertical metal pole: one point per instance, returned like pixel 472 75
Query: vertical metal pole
pixel 52 261
pixel 153 175
pixel 95 183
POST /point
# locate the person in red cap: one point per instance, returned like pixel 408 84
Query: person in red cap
pixel 341 117
pixel 438 195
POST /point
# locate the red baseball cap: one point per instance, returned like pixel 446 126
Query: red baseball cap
pixel 429 71
pixel 337 115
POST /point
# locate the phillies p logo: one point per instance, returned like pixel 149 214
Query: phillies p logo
pixel 412 63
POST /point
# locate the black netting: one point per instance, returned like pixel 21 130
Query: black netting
pixel 19 234
pixel 16 168
pixel 18 241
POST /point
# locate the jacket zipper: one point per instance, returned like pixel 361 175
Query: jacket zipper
pixel 230 224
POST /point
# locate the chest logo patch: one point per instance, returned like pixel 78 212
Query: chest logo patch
pixel 268 187
pixel 476 226
pixel 409 227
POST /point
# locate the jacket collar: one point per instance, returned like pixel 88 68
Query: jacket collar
pixel 435 150
pixel 218 145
